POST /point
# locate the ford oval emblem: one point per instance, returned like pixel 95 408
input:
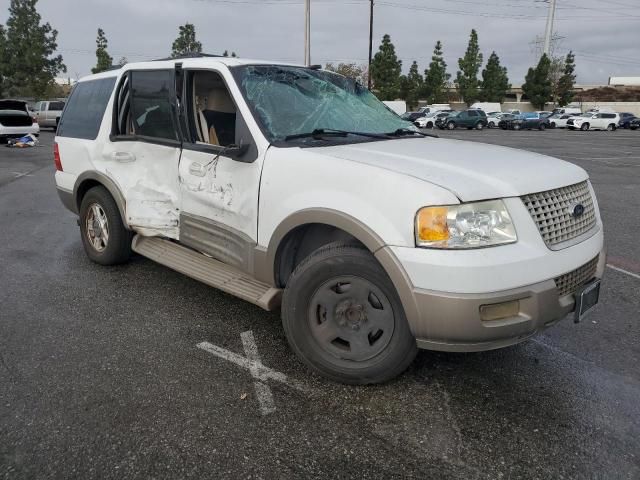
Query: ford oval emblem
pixel 576 210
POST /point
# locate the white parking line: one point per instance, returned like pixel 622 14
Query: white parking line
pixel 263 392
pixel 254 365
pixel 622 270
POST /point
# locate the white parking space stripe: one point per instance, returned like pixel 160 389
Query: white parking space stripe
pixel 622 270
pixel 258 370
pixel 263 392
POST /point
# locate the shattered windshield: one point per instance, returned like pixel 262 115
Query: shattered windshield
pixel 290 101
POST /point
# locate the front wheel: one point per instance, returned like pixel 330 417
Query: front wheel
pixel 430 125
pixel 542 126
pixel 584 127
pixel 479 126
pixel 451 126
pixel 491 125
pixel 342 316
pixel 105 239
pixel 516 127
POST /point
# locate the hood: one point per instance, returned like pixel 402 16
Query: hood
pixel 470 170
pixel 13 105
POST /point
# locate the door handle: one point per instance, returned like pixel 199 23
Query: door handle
pixel 197 169
pixel 123 157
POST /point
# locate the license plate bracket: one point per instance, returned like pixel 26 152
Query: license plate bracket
pixel 586 299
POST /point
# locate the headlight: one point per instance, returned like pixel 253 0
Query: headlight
pixel 468 225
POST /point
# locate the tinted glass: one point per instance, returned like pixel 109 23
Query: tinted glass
pixel 151 104
pixel 473 114
pixel 56 105
pixel 85 108
pixel 292 100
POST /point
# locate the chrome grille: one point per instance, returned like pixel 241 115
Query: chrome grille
pixel 570 282
pixel 552 212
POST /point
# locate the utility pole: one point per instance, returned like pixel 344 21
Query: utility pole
pixel 307 33
pixel 370 44
pixel 549 30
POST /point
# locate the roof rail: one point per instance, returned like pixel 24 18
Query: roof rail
pixel 188 55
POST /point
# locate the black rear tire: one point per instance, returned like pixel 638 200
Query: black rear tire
pixel 344 319
pixel 117 248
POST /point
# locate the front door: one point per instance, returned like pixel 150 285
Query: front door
pixel 144 152
pixel 219 193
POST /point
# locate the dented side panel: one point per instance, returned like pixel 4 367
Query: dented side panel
pixel 147 175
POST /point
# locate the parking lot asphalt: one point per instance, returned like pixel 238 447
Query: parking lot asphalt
pixel 101 375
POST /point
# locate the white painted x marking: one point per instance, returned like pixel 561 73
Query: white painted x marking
pixel 22 174
pixel 260 373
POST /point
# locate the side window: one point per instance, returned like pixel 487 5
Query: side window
pixel 86 106
pixel 56 106
pixel 37 107
pixel 144 105
pixel 212 114
pixel 473 114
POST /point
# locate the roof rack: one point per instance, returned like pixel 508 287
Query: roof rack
pixel 188 55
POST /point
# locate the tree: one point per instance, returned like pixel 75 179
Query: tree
pixel 350 70
pixel 564 92
pixel 537 85
pixel 386 70
pixel 436 78
pixel 104 60
pixel 123 61
pixel 186 42
pixel 411 86
pixel 495 81
pixel 467 78
pixel 226 54
pixel 3 41
pixel 27 65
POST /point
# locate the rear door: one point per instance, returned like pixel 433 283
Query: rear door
pixel 144 152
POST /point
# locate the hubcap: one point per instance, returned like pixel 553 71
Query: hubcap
pixel 97 227
pixel 351 318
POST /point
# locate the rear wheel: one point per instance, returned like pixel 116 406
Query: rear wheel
pixel 542 126
pixel 611 127
pixel 344 319
pixel 105 239
pixel 430 125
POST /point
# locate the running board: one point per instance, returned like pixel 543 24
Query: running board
pixel 207 270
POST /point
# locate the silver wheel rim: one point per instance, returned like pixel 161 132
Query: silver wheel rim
pixel 351 318
pixel 97 227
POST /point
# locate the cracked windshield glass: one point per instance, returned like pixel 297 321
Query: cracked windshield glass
pixel 295 100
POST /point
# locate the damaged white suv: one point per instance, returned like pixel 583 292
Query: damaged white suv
pixel 294 187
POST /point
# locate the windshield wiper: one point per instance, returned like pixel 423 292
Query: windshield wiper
pixel 401 132
pixel 330 132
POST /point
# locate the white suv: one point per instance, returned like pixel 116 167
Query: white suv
pixel 594 121
pixel 294 187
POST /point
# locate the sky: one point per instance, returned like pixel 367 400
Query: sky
pixel 604 34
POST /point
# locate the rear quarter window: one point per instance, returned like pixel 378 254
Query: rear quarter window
pixel 85 109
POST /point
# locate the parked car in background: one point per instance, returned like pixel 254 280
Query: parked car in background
pixel 436 107
pixel 487 106
pixel 513 112
pixel 429 120
pixel 527 121
pixel 411 116
pixel 505 120
pixel 493 119
pixel 625 119
pixel 16 120
pixel 559 120
pixel 48 113
pixel 568 111
pixel 544 113
pixel 594 121
pixel 466 118
pixel 634 124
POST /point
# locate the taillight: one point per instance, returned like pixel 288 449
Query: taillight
pixel 34 119
pixel 56 157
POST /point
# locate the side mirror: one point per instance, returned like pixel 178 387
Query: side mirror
pixel 235 151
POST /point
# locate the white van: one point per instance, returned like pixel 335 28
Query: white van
pixel 295 188
pixel 436 107
pixel 567 111
pixel 487 106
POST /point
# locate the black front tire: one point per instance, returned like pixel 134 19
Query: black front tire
pixel 118 246
pixel 354 356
